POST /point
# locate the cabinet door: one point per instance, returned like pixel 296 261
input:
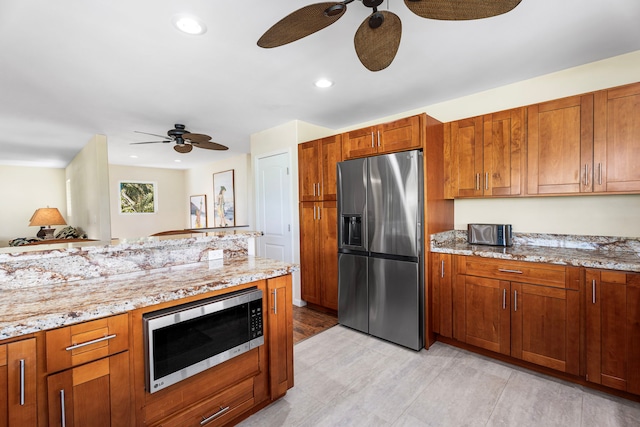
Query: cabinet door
pixel 328 256
pixel 330 155
pixel 465 148
pixel 280 329
pixel 359 143
pixel 18 383
pixel 441 294
pixel 309 253
pixel 481 313
pixel 617 139
pixel 503 153
pixel 399 135
pixel 308 172
pixel 95 394
pixel 560 146
pixel 544 326
pixel 613 329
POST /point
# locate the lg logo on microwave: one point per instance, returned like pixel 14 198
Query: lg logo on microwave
pixel 160 384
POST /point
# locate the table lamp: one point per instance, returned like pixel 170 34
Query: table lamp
pixel 46 217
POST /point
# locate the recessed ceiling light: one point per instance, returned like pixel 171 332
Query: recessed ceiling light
pixel 189 24
pixel 323 83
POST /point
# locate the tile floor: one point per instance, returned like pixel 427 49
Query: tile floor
pixel 345 378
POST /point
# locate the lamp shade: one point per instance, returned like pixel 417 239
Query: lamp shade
pixel 47 216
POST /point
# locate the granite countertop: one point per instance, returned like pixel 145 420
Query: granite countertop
pixel 612 253
pixel 48 306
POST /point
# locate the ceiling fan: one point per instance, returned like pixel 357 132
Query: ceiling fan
pixel 185 140
pixel 378 37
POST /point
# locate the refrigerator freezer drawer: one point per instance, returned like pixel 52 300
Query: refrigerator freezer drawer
pixel 353 295
pixel 395 296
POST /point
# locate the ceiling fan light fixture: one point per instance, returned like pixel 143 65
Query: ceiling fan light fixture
pixel 189 25
pixel 323 83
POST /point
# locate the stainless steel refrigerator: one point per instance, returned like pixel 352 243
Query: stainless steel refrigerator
pixel 380 247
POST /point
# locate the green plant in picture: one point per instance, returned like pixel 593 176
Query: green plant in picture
pixel 137 197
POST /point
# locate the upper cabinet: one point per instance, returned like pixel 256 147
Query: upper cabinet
pixel 617 139
pixel 400 135
pixel 560 151
pixel 317 168
pixel 484 155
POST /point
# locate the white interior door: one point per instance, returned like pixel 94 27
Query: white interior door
pixel 273 207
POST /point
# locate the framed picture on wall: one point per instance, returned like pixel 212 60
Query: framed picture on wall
pixel 137 197
pixel 224 199
pixel 198 211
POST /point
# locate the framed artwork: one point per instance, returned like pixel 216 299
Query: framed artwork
pixel 138 197
pixel 224 199
pixel 198 211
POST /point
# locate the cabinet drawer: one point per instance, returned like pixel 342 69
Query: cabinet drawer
pixel 85 342
pixel 216 410
pixel 514 271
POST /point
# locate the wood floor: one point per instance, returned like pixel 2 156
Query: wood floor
pixel 308 322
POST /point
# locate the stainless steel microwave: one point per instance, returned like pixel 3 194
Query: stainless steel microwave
pixel 490 234
pixel 185 340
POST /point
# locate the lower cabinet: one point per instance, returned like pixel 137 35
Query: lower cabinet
pixel 319 253
pixel 18 383
pixel 524 310
pixel 441 302
pixel 94 394
pixel 280 332
pixel 613 329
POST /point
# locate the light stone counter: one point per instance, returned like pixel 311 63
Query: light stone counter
pixel 611 253
pixel 58 287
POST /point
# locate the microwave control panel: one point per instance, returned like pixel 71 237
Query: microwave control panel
pixel 255 318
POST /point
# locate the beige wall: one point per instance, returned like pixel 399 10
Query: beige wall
pixel 199 180
pixel 87 184
pixel 172 200
pixel 23 190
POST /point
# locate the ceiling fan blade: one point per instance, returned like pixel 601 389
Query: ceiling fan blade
pixel 208 145
pixel 301 23
pixel 200 137
pixel 183 148
pixel 376 47
pixel 456 10
pixel 154 134
pixel 149 142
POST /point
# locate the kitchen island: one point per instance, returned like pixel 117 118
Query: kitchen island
pixel 564 305
pixel 90 293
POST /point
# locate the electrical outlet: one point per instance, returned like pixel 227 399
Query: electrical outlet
pixel 216 254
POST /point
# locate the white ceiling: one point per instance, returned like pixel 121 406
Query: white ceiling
pixel 72 68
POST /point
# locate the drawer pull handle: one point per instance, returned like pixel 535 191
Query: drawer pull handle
pixel 506 270
pixel 105 338
pixel 21 382
pixel 214 416
pixel 63 415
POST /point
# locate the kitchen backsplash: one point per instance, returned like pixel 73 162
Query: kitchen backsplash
pixel 51 266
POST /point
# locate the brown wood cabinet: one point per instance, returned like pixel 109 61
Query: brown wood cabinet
pixel 485 155
pixel 93 394
pixel 526 310
pixel 280 328
pixel 319 253
pixel 18 383
pixel 617 140
pixel 399 135
pixel 317 168
pixel 560 146
pixel 441 286
pixel 613 329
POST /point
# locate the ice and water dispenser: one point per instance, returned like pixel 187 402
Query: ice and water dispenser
pixel 352 230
